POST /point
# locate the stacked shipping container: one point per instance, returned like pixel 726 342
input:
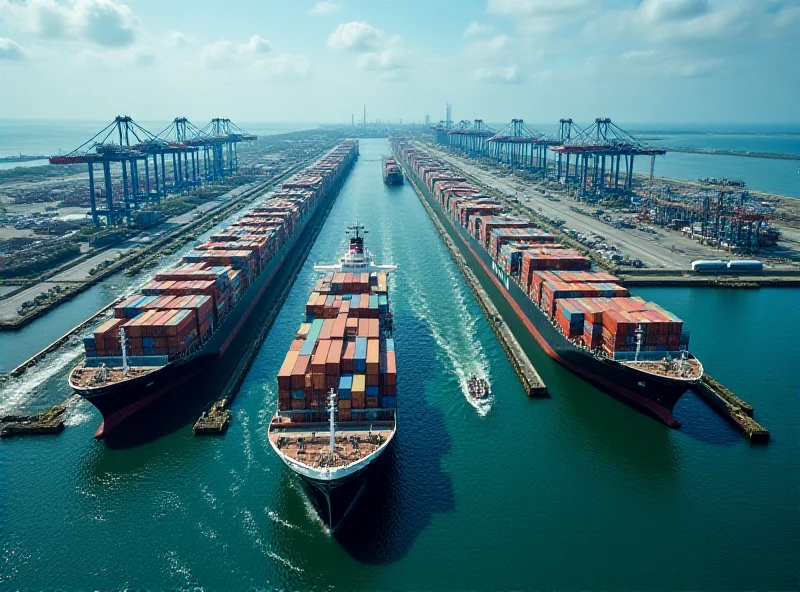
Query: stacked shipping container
pixel 589 307
pixel 176 312
pixel 344 345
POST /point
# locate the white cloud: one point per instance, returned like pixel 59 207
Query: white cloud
pixel 224 53
pixel 11 50
pixel 325 7
pixel 120 59
pixel 356 36
pixel 377 50
pixel 544 17
pixel 258 56
pixel 103 22
pixel 475 29
pixel 257 44
pixel 652 62
pixel 178 39
pixel 394 57
pixel 283 68
pixel 504 75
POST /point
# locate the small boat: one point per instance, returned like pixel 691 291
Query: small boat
pixel 478 388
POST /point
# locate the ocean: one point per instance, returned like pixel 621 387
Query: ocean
pixel 576 491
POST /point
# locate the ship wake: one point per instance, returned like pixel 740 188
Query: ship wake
pixel 456 337
pixel 16 393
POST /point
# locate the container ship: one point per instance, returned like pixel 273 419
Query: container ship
pixel 183 321
pixel 337 386
pixel 392 174
pixel 634 350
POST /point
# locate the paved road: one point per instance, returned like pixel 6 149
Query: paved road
pixel 655 250
pixel 9 306
pixel 80 271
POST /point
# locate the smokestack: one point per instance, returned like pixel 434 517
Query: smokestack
pixel 353 119
pixel 365 115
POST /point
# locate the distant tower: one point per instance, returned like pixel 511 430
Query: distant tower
pixel 427 121
pixel 365 115
pixel 353 119
pixel 401 121
pixel 449 118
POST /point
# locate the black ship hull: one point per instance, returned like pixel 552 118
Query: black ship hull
pixel 654 395
pixel 335 500
pixel 117 402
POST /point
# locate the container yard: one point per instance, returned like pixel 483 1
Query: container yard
pixel 578 170
pixel 135 248
pixel 636 350
pixel 595 164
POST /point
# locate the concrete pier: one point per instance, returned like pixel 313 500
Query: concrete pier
pixel 47 422
pixel 732 408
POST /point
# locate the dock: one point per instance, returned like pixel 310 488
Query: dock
pixel 215 420
pixel 46 422
pixel 526 372
pixel 731 407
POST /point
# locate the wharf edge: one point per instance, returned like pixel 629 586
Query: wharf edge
pixel 526 371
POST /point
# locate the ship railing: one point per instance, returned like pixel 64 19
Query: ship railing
pixel 133 361
pixel 648 356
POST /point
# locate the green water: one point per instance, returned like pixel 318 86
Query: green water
pixel 574 492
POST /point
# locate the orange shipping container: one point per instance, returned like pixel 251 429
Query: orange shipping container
pixel 374 330
pixel 285 373
pixel 299 371
pixel 373 356
pixel 320 358
pixel 334 357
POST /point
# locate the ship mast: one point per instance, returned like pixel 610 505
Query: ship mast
pixel 331 417
pixel 639 333
pixel 123 344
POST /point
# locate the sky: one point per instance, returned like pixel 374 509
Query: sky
pixel 637 61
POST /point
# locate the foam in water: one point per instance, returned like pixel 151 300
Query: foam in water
pixel 286 562
pixel 16 392
pixel 78 412
pixel 273 515
pixel 464 351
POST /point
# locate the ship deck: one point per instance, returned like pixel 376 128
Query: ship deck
pixel 690 370
pixel 94 377
pixel 310 444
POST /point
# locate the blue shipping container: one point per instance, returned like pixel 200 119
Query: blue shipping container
pixel 298 394
pixel 372 391
pixel 390 344
pixel 389 402
pixel 346 381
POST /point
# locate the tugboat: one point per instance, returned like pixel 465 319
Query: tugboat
pixel 478 388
